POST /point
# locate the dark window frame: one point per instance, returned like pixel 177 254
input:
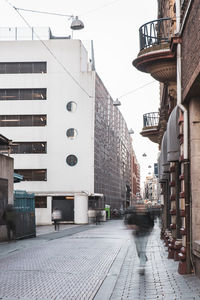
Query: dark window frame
pixel 23 120
pixel 37 67
pixel 23 94
pixel 69 106
pixel 28 147
pixel 40 201
pixel 71 160
pixel 32 174
pixel 72 133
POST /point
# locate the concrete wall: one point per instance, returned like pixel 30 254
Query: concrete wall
pixel 6 172
pixel 61 88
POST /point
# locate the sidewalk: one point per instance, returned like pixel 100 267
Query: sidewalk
pixel 90 262
pixel 161 279
pixel 44 233
pixel 44 229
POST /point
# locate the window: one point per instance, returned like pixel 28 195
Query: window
pixel 32 174
pixel 23 67
pixel 22 94
pixel 22 120
pixel 40 202
pixel 28 147
pixel 71 133
pixel 71 106
pixel 71 160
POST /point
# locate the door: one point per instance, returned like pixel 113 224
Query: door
pixel 66 206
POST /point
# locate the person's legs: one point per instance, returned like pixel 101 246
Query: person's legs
pixel 141 244
pixel 8 227
pixel 13 229
pixel 55 224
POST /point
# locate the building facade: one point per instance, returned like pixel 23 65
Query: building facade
pixel 170 55
pixel 69 142
pixel 135 188
pixel 6 184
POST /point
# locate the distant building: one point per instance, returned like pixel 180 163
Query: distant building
pixel 70 143
pixel 151 189
pixel 135 187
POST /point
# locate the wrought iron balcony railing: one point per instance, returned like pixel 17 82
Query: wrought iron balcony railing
pixel 150 119
pixel 155 33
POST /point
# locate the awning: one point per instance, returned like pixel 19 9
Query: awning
pixel 17 177
pixel 163 163
pixel 173 146
pixel 4 140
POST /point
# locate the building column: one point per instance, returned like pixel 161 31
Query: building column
pixel 194 125
pixel 81 208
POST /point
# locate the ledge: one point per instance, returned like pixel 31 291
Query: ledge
pixel 196 248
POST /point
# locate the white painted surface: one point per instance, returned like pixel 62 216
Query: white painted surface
pixel 43 215
pixel 81 209
pixel 61 89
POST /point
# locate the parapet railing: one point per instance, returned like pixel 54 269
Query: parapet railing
pixel 150 119
pixel 155 32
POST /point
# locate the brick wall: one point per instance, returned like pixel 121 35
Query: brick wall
pixel 191 44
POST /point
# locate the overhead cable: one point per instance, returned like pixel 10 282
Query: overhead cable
pixel 135 90
pixel 50 51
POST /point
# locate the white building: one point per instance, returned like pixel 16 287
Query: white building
pixel 47 105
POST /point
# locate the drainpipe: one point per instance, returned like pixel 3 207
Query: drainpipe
pixel 183 109
pixel 186 142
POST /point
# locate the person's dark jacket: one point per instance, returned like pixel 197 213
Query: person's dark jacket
pixel 144 221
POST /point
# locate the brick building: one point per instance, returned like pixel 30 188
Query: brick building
pixel 168 52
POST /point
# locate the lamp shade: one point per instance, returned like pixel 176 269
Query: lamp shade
pixel 77 24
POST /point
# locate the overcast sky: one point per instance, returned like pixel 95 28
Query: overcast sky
pixel 113 26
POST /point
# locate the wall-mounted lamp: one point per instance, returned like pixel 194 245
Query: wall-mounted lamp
pixel 149 166
pixel 117 102
pixel 131 131
pixel 77 24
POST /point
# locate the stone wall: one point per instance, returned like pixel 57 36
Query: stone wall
pixel 194 117
pixel 190 48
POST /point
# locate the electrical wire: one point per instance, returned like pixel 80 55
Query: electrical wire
pixel 43 12
pixel 98 8
pixel 135 90
pixel 50 51
pixel 54 56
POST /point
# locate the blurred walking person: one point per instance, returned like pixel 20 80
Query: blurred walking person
pixel 56 217
pixel 141 221
pixel 10 217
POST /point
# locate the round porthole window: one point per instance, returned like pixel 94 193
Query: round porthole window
pixel 71 133
pixel 71 160
pixel 71 106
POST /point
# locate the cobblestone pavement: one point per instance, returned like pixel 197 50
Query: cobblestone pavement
pixel 161 279
pixel 69 267
pixel 44 229
pixel 98 262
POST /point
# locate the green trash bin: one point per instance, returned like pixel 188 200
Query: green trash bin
pixel 107 209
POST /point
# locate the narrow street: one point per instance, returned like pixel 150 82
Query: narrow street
pixel 90 262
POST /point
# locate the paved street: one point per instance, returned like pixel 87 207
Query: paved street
pixel 90 262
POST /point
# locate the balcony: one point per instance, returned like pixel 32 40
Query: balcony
pixel 150 126
pixel 156 56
